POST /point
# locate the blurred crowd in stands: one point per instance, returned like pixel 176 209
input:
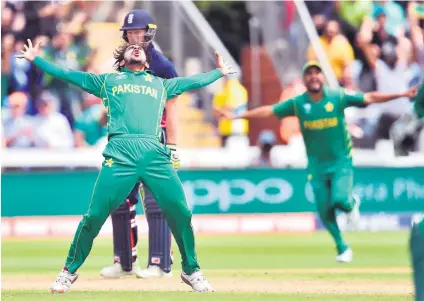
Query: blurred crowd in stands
pixel 371 45
pixel 38 110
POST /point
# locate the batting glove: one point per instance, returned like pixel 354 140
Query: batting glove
pixel 175 157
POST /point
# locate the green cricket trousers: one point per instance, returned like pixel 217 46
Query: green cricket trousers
pixel 416 247
pixel 333 191
pixel 128 159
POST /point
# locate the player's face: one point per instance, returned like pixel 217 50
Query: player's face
pixel 134 55
pixel 314 79
pixel 136 36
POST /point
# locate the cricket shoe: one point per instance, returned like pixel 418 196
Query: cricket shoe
pixel 63 282
pixel 354 217
pixel 197 282
pixel 116 271
pixel 152 271
pixel 345 257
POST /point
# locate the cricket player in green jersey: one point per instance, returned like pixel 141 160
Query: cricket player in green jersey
pixel 134 100
pixel 328 144
pixel 416 242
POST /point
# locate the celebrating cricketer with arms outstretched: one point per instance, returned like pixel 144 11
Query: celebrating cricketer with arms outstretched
pixel 134 100
pixel 328 144
pixel 139 28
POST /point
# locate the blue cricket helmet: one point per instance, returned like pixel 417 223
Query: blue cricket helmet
pixel 139 19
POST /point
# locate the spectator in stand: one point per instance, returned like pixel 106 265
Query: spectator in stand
pixel 380 35
pixel 390 66
pixel 407 130
pixel 6 20
pixel 266 142
pixel 396 20
pixel 337 48
pixel 23 76
pixel 52 130
pixel 365 77
pixel 233 96
pixel 18 127
pixel 35 18
pixel 321 12
pixel 415 19
pixel 351 14
pixel 8 42
pixel 348 81
pixel 78 29
pixel 63 52
pixel 90 126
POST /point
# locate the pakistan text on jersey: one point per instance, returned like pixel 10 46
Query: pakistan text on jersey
pixel 320 124
pixel 129 88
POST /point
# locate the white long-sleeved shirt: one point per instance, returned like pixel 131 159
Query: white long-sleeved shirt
pixel 53 131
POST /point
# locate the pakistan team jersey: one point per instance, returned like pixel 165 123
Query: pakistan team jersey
pixel 327 140
pixel 134 100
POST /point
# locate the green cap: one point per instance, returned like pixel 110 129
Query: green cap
pixel 310 64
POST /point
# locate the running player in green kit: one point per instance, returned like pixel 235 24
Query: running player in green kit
pixel 134 100
pixel 328 144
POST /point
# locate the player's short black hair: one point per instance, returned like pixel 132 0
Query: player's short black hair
pixel 119 52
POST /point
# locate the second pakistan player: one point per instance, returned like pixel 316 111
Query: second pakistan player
pixel 328 144
pixel 134 100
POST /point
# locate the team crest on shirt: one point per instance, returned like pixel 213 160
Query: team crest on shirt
pixel 121 75
pixel 307 107
pixel 109 162
pixel 148 78
pixel 329 107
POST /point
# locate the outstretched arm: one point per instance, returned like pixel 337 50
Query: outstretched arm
pixel 281 110
pixel 359 99
pixel 376 97
pixel 179 85
pixel 87 81
pixel 259 112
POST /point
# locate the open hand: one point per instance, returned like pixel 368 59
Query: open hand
pixel 225 114
pixel 222 65
pixel 30 51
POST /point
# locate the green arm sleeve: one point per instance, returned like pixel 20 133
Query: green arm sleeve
pixel 284 108
pixel 352 98
pixel 178 85
pixel 419 101
pixel 89 82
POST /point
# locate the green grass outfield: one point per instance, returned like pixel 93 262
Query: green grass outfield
pixel 255 267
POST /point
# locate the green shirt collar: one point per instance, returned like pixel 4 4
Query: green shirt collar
pixel 124 69
pixel 324 94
